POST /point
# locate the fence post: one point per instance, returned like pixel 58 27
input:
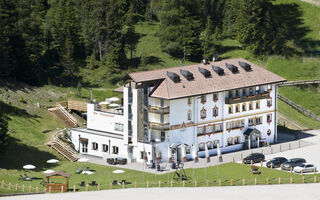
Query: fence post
pixel 207 183
pixel 122 185
pixel 279 180
pixel 29 188
pixel 267 181
pixel 135 184
pixel 86 187
pixel 255 181
pixel 195 183
pixel 302 179
pixel 61 188
pixel 171 183
pixel 159 183
pixel 219 182
pixel 261 164
pixel 9 186
pixel 271 165
pixel 291 180
pixel 23 188
pixel 17 187
pixel 110 186
pixel 98 186
pixel 291 169
pixel 2 183
pixel 233 159
pixel 74 188
pixel 231 182
pixel 37 189
pixel 147 184
pixel 183 183
pixel 301 172
pixel 315 179
pixel 243 181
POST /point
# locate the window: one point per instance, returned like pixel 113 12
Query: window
pixel 209 145
pixel 215 144
pixel 142 155
pixel 237 93
pixel 163 136
pixel 230 93
pixel 230 109
pixel 203 99
pixel 250 106
pixel 230 141
pixel 118 127
pixel 257 89
pixel 200 131
pixel 269 118
pixel 189 101
pixel 244 107
pixel 251 122
pixel 215 97
pixel 237 140
pixel 259 120
pixel 241 123
pixel 269 87
pixel 209 129
pixel 202 146
pixel 115 150
pixel 269 102
pixel 203 113
pixel 189 115
pixel 243 92
pixel 268 132
pixel 94 146
pixel 218 128
pixel 257 104
pixel 105 148
pixel 251 91
pixel 215 111
pixel 84 147
pixel 237 108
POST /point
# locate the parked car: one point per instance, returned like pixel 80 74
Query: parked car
pixel 254 157
pixel 292 163
pixel 121 161
pixel 304 168
pixel 276 162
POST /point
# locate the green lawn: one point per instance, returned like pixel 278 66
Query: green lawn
pixel 104 176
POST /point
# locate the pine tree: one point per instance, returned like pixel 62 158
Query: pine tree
pixel 208 40
pixel 130 35
pixel 3 133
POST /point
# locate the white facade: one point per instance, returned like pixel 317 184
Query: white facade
pixel 182 122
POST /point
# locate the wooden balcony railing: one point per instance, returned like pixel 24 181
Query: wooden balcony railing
pixel 159 110
pixel 247 98
pixel 159 126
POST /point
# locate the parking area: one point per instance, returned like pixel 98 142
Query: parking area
pixel 310 153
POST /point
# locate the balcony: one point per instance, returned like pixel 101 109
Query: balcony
pixel 247 98
pixel 159 126
pixel 159 110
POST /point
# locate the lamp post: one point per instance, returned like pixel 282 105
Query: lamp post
pixel 218 156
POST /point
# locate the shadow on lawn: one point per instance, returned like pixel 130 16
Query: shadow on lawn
pixel 17 154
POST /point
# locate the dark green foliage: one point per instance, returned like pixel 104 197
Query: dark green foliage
pixel 209 40
pixel 3 132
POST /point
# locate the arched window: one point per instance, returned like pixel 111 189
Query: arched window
pixel 237 140
pixel 230 141
pixel 215 144
pixel 215 111
pixel 209 145
pixel 202 146
pixel 203 113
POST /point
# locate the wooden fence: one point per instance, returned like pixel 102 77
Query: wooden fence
pixel 299 108
pixel 304 82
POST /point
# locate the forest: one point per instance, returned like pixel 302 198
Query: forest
pixel 49 41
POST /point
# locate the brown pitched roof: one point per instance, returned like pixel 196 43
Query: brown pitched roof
pixel 59 174
pixel 201 85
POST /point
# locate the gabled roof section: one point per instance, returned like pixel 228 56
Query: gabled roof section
pixel 169 89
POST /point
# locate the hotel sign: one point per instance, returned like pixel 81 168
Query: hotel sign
pixel 183 125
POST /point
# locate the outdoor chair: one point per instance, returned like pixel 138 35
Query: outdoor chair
pixel 79 170
pixel 82 184
pixel 25 178
pixel 87 169
pixel 123 182
pixel 114 182
pixel 28 178
pixel 93 183
pixel 255 169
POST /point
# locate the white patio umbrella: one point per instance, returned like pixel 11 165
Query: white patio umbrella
pixel 114 105
pixel 48 171
pixel 52 161
pixel 29 167
pixel 83 160
pixel 87 172
pixel 118 171
pixel 114 99
pixel 104 103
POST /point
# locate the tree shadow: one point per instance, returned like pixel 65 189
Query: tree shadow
pixel 18 154
pixel 147 60
pixel 6 110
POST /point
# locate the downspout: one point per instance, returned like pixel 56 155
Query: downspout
pixel 275 115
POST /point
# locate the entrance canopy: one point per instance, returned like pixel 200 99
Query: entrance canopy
pixel 252 132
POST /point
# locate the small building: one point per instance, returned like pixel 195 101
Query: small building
pixel 175 113
pixel 57 182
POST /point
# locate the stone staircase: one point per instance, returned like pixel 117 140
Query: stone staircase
pixel 64 149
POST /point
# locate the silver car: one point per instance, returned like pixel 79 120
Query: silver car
pixel 303 168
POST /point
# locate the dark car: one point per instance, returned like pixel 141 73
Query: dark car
pixel 290 164
pixel 254 157
pixel 276 162
pixel 121 161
